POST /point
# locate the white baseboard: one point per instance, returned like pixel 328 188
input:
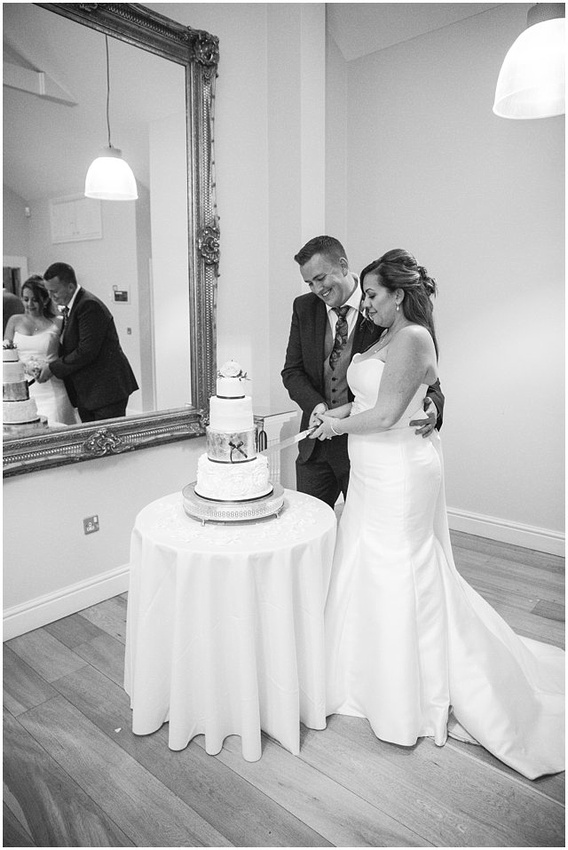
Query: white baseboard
pixel 516 533
pixel 61 603
pixel 68 600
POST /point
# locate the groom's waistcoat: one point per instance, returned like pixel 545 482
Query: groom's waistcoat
pixel 335 380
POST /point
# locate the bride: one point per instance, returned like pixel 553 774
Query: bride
pixel 36 335
pixel 410 645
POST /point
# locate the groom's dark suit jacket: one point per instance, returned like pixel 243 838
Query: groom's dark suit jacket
pixel 303 374
pixel 91 362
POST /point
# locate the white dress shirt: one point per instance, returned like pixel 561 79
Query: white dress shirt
pixel 354 302
pixel 70 305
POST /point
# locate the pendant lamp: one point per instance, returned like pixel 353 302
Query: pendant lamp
pixel 109 177
pixel 531 81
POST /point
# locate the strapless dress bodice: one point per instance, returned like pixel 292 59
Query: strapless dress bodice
pixel 364 377
pixel 44 345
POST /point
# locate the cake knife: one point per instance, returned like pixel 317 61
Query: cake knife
pixel 277 447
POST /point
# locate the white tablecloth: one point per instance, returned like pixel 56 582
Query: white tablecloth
pixel 225 624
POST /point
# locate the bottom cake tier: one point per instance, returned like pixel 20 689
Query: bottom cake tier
pixel 27 429
pixel 251 510
pixel 20 412
pixel 232 482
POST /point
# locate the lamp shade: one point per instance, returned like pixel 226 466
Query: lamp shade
pixel 531 82
pixel 110 178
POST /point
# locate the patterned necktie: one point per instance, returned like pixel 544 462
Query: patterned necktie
pixel 65 313
pixel 341 329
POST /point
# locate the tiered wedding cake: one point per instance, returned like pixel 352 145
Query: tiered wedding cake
pixel 231 470
pixel 232 477
pixel 18 408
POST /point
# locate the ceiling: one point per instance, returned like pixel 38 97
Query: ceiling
pixel 362 28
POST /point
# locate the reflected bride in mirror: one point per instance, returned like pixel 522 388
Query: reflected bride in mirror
pixel 36 336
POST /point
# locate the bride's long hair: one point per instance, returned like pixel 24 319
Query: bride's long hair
pixel 398 269
pixel 39 291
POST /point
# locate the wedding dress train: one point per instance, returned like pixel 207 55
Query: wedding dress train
pixel 410 645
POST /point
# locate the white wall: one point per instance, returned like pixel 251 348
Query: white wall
pixel 337 130
pixel 296 167
pixel 479 200
pixel 170 250
pixel 51 568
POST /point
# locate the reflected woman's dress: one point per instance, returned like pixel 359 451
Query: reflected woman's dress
pixel 51 396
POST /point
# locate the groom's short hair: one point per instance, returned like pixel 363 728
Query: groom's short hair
pixel 63 271
pixel 328 245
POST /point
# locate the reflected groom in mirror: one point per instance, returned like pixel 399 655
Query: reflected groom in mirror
pixel 96 372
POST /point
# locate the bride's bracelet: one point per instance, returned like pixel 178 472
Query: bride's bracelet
pixel 337 434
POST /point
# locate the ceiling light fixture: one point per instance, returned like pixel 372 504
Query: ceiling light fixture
pixel 531 81
pixel 109 177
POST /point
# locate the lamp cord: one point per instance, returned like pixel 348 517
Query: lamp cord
pixel 108 91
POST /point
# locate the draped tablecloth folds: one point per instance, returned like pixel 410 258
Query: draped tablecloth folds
pixel 225 628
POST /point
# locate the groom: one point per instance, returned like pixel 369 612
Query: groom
pixel 327 329
pixel 97 375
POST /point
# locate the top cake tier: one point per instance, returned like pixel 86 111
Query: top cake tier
pixel 13 368
pixel 231 380
pixel 10 355
pixel 230 388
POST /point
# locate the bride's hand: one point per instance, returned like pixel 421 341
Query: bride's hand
pixel 324 432
pixel 44 375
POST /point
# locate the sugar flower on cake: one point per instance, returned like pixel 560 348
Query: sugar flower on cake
pixel 231 369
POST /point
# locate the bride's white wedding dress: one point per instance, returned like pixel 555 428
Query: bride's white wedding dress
pixel 410 645
pixel 51 396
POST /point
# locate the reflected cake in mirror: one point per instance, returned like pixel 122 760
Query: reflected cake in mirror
pixel 19 411
pixel 230 470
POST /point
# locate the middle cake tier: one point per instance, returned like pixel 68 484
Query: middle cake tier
pixel 230 446
pixel 231 414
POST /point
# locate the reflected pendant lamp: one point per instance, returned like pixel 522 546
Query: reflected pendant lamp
pixel 109 177
pixel 531 82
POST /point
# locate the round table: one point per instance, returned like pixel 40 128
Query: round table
pixel 225 629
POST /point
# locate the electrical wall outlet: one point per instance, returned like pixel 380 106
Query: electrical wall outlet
pixel 90 524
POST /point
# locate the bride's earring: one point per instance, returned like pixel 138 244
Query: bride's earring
pixel 397 307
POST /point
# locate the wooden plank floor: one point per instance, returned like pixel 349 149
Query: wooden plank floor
pixel 75 775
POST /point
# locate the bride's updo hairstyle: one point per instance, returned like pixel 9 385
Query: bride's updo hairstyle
pixel 397 269
pixel 36 285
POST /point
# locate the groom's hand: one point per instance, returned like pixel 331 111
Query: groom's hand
pixel 426 426
pixel 317 413
pixel 44 375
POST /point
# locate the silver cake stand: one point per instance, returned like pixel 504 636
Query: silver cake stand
pixel 210 510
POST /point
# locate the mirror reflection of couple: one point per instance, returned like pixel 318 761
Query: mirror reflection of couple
pixel 409 644
pixel 67 340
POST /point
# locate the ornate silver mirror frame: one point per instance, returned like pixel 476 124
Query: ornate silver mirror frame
pixel 198 52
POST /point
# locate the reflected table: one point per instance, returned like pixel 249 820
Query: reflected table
pixel 225 631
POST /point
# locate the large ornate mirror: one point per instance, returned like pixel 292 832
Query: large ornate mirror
pixel 154 261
